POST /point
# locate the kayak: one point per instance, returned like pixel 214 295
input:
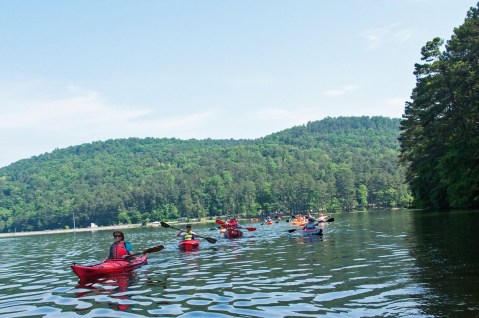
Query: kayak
pixel 188 245
pixel 268 222
pixel 298 223
pixel 111 266
pixel 312 232
pixel 231 233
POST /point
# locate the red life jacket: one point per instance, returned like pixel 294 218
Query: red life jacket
pixel 118 250
pixel 232 224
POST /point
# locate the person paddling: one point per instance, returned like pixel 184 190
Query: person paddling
pixel 120 249
pixel 321 218
pixel 232 224
pixel 310 225
pixel 188 234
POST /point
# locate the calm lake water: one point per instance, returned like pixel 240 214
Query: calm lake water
pixel 367 264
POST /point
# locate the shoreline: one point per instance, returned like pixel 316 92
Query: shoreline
pixel 61 231
pixel 97 228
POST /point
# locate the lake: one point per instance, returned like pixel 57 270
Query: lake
pixel 368 264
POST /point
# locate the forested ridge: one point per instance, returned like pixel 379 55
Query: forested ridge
pixel 336 164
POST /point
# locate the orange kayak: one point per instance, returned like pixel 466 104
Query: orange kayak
pixel 298 223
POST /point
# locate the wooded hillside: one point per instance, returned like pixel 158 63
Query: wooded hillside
pixel 334 164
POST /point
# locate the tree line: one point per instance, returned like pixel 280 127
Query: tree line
pixel 336 164
pixel 440 128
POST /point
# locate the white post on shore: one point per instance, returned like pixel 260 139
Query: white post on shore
pixel 73 219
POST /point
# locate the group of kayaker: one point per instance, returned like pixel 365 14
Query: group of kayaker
pixel 310 225
pixel 120 249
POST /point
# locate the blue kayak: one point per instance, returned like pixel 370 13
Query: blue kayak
pixel 312 232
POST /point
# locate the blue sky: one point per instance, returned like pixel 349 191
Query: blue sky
pixel 74 72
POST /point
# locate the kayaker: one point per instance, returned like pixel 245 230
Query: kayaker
pixel 233 223
pixel 321 217
pixel 188 234
pixel 119 248
pixel 310 225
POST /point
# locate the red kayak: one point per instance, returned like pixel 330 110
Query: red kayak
pixel 188 245
pixel 231 233
pixel 111 266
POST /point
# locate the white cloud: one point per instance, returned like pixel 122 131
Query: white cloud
pixel 83 108
pixel 388 34
pixel 34 125
pixel 340 91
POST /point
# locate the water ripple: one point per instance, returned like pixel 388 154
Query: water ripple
pixel 350 272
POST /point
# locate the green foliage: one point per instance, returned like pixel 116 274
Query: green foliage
pixel 334 164
pixel 440 130
pixel 362 196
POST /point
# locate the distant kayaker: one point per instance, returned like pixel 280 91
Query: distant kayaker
pixel 119 248
pixel 321 217
pixel 310 225
pixel 232 223
pixel 188 234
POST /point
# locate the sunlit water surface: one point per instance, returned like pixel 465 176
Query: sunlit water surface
pixel 374 264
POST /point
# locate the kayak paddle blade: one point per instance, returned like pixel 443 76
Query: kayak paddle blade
pixel 220 222
pixel 153 249
pixel 211 240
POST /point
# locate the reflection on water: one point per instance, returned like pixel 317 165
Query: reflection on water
pixel 115 286
pixel 376 264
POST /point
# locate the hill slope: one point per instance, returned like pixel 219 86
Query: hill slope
pixel 333 164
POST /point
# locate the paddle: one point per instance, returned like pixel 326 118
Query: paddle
pixel 224 225
pixel 220 223
pixel 291 218
pixel 327 221
pixel 209 239
pixel 149 250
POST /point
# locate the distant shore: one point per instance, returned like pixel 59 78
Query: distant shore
pixel 86 229
pixel 91 229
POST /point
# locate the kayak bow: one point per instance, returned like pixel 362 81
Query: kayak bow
pixel 107 267
pixel 188 245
